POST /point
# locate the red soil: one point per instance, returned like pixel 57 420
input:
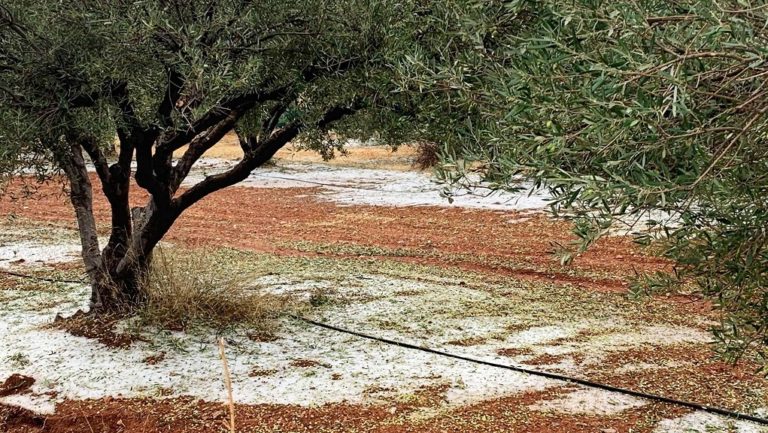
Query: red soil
pixel 184 415
pixel 16 384
pixel 274 220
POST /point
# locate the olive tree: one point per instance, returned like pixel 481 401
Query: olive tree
pixel 172 77
pixel 649 111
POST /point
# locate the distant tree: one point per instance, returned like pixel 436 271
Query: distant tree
pixel 648 110
pixel 173 75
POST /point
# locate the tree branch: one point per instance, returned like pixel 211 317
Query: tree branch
pixel 134 137
pixel 198 147
pixel 259 152
pixel 217 114
pixel 97 157
pixel 238 173
pixel 270 123
pixel 171 97
pixel 117 90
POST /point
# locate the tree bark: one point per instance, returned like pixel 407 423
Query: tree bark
pixel 81 196
pixel 121 293
pixel 111 291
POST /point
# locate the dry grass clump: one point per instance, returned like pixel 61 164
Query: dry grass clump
pixel 427 155
pixel 188 288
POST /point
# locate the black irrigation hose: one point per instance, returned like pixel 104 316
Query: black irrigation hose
pixel 584 382
pixel 34 277
pixel 560 377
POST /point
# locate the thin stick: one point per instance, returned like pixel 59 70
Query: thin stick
pixel 90 427
pixel 228 385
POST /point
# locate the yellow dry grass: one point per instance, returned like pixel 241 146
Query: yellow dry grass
pixel 381 157
pixel 187 288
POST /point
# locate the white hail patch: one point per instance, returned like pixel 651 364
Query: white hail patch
pixel 36 254
pixel 41 405
pixel 702 422
pixel 348 186
pixel 362 186
pixel 341 367
pixel 590 401
pixel 345 368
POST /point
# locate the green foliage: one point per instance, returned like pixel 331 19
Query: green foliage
pixel 58 58
pixel 647 111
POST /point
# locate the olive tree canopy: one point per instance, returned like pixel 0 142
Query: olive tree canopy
pixel 176 76
pixel 649 110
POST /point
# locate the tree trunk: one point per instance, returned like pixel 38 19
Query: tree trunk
pixel 118 273
pixel 81 196
pixel 120 292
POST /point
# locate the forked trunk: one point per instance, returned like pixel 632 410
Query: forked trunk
pixel 113 292
pixel 118 286
pixel 118 273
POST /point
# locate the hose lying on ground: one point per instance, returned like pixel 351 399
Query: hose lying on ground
pixel 560 377
pixel 554 376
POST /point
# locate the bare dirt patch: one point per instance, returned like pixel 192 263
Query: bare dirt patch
pixel 261 372
pixel 154 359
pixel 421 413
pixel 16 419
pixel 514 351
pixel 16 384
pixel 466 342
pixel 686 372
pixel 307 363
pixel 100 328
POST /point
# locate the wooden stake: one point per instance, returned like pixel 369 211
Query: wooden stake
pixel 228 385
